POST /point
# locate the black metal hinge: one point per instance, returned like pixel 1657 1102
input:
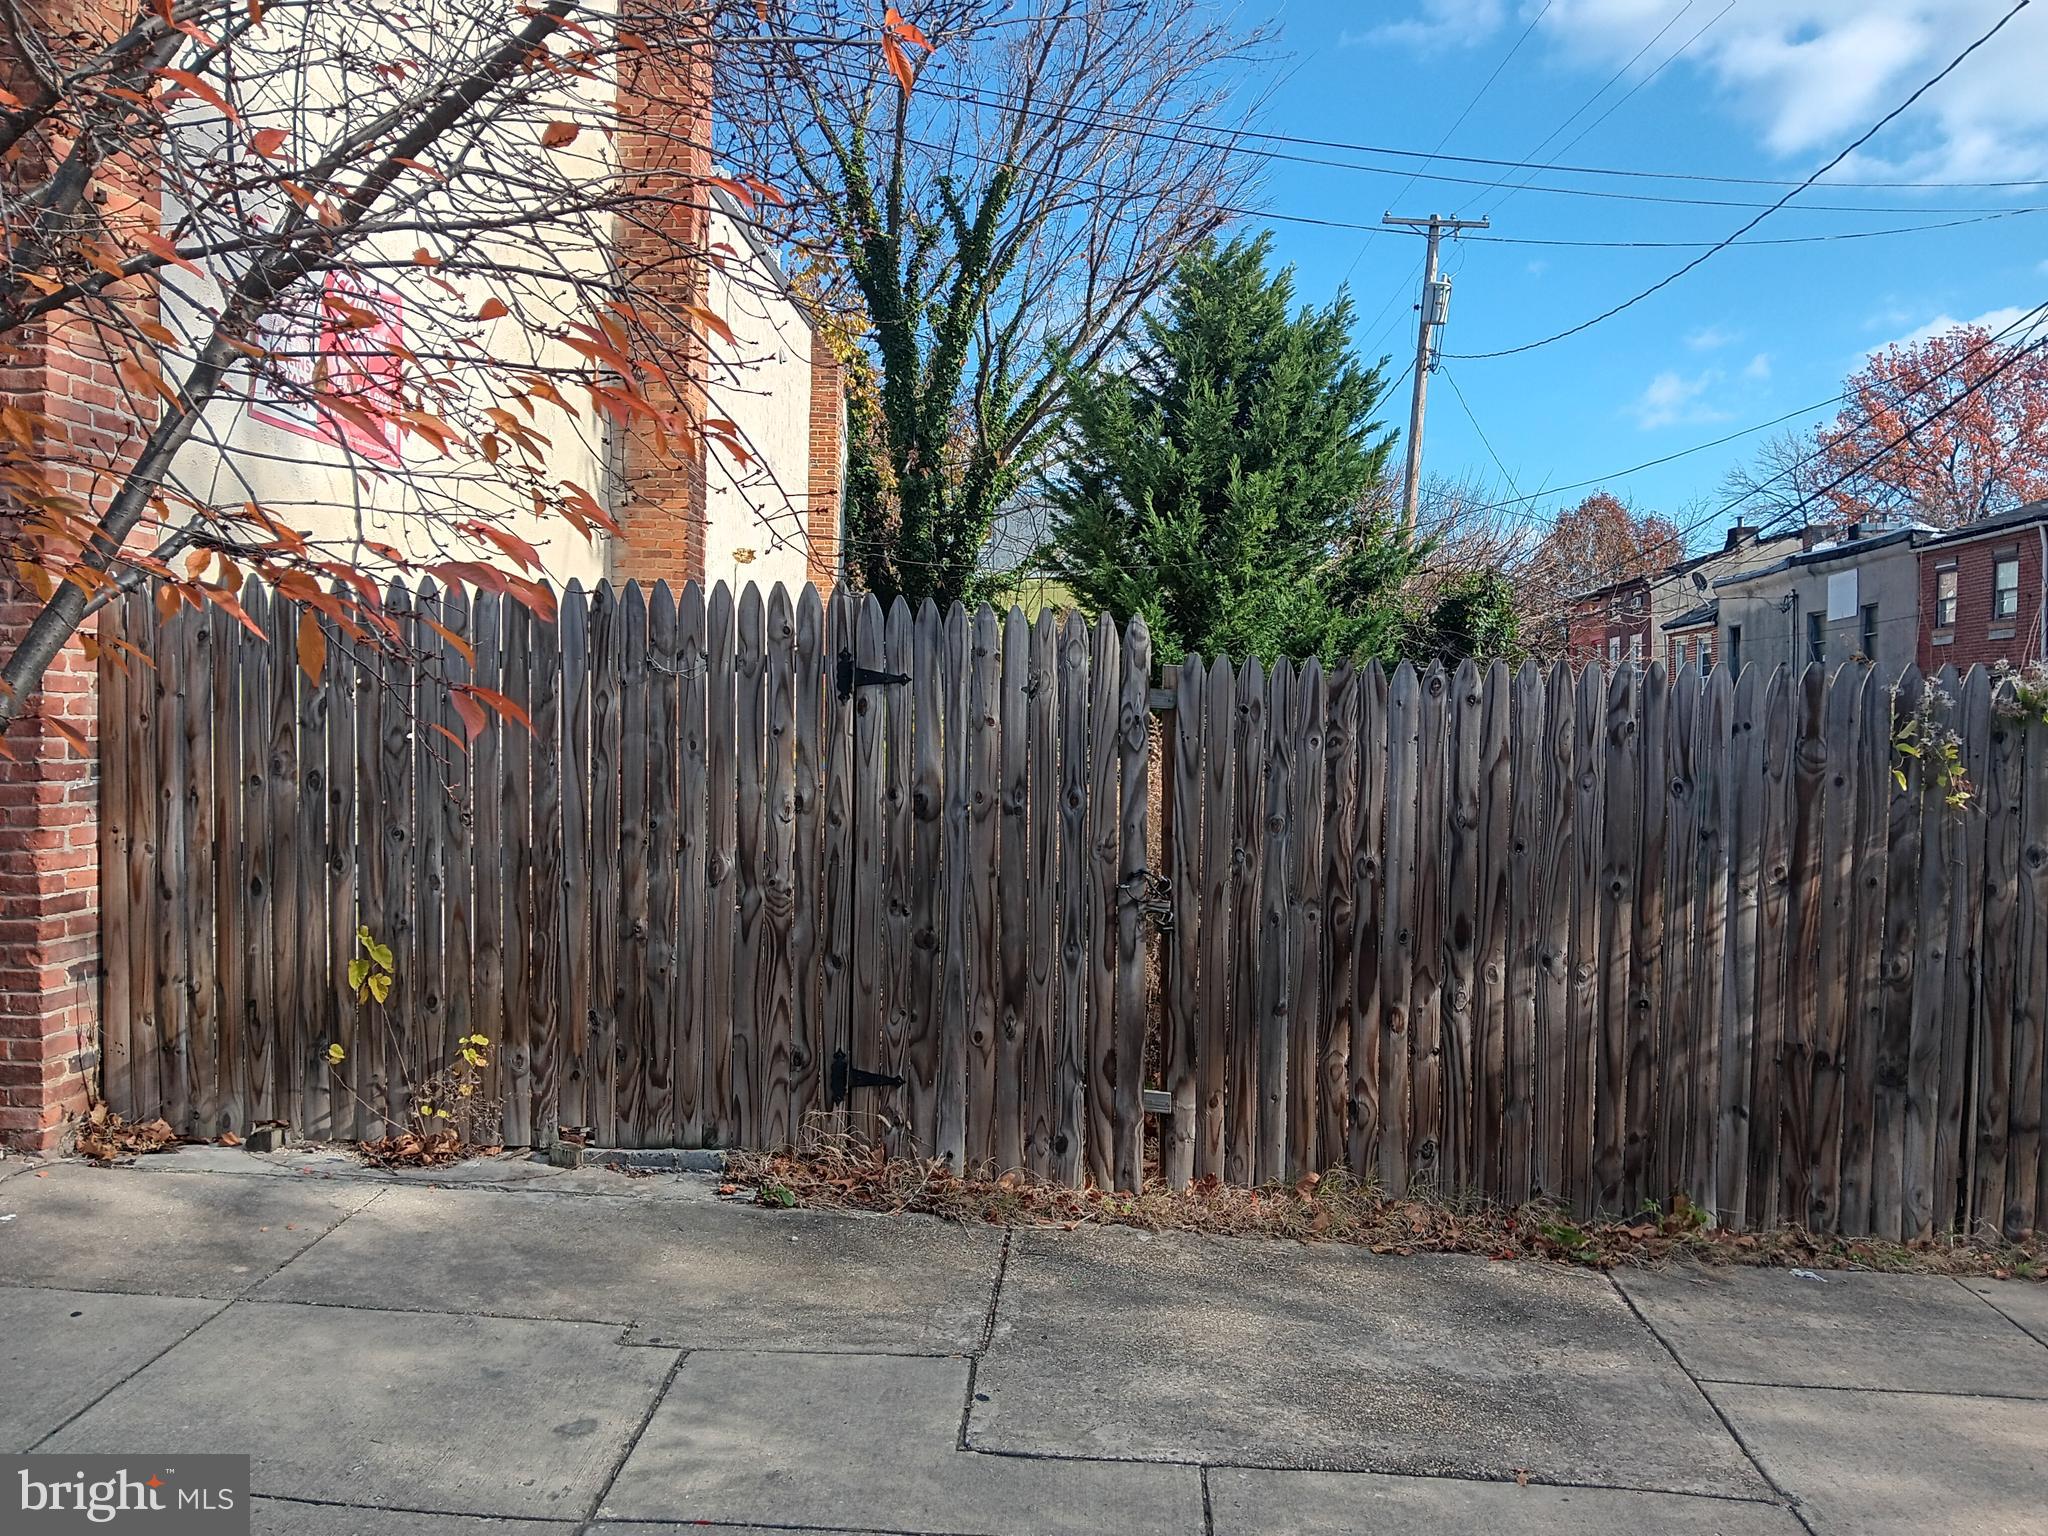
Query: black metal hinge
pixel 852 676
pixel 846 1077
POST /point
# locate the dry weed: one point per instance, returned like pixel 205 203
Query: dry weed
pixel 847 1173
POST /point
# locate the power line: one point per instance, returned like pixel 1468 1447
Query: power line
pixel 1799 507
pixel 1625 97
pixel 1223 140
pixel 1707 255
pixel 1003 100
pixel 1506 473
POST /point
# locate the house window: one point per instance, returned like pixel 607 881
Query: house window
pixel 1945 598
pixel 1635 648
pixel 1734 647
pixel 2005 588
pixel 1614 649
pixel 1816 638
pixel 1868 636
pixel 1706 654
pixel 1677 654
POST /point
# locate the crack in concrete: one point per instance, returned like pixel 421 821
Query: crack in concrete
pixel 1789 1502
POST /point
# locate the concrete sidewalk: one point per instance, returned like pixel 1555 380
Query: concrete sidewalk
pixel 511 1349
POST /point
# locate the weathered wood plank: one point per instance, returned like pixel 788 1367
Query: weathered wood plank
pixel 291 1045
pixel 750 883
pixel 117 670
pixel 775 977
pixel 365 1036
pixel 1744 802
pixel 1217 880
pixel 1274 980
pixel 1426 999
pixel 873 818
pixel 695 1114
pixel 1620 817
pixel 1305 958
pixel 1042 1046
pixel 1368 874
pixel 659 1121
pixel 1646 940
pixel 452 799
pixel 395 1023
pixel 1013 890
pixel 1554 991
pixel 1841 727
pixel 1773 838
pixel 1529 747
pixel 1132 1005
pixel 1248 745
pixel 984 897
pixel 1397 928
pixel 1866 1012
pixel 202 830
pixel 637 1031
pixel 1955 1146
pixel 490 849
pixel 927 999
pixel 574 1064
pixel 1077 950
pixel 431 1035
pixel 1104 832
pixel 635 1013
pixel 956 983
pixel 809 1060
pixel 1583 1016
pixel 721 1109
pixel 607 637
pixel 1340 918
pixel 344 839
pixel 1463 857
pixel 2027 1195
pixel 516 1060
pixel 1711 1160
pixel 543 960
pixel 2002 801
pixel 1181 966
pixel 1676 1046
pixel 1891 1128
pixel 1926 1196
pixel 899 834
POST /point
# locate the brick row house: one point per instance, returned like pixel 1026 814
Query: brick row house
pixel 696 513
pixel 1897 595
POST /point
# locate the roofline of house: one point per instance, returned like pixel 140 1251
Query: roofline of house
pixel 2018 520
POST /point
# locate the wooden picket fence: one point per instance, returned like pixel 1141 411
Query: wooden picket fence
pixel 975 885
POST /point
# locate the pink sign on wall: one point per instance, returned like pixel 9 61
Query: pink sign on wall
pixel 358 364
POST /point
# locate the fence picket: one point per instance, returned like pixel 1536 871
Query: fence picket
pixel 1219 781
pixel 1241 1103
pixel 1134 734
pixel 1180 973
pixel 1461 864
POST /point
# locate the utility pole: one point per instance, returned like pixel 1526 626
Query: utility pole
pixel 1435 306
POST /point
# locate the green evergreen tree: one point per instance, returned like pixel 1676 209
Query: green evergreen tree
pixel 1214 483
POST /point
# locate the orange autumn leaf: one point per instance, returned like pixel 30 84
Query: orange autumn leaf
pixel 558 135
pixel 267 141
pixel 312 645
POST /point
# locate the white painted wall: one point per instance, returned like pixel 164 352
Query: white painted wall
pixel 757 523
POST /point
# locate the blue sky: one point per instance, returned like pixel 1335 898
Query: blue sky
pixel 1759 88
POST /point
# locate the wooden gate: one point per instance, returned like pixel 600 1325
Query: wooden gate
pixel 762 863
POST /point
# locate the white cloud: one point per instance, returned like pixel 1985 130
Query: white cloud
pixel 1671 399
pixel 1758 367
pixel 1813 74
pixel 1536 268
pixel 1436 24
pixel 1709 338
pixel 1992 320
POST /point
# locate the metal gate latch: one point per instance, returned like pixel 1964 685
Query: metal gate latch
pixel 846 1076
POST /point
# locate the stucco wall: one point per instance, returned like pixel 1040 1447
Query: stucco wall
pixel 1774 632
pixel 757 523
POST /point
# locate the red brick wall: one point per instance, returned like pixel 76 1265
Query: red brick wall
pixel 1605 616
pixel 1971 640
pixel 49 794
pixel 664 146
pixel 828 424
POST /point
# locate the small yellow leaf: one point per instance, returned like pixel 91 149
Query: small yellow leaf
pixel 335 1053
